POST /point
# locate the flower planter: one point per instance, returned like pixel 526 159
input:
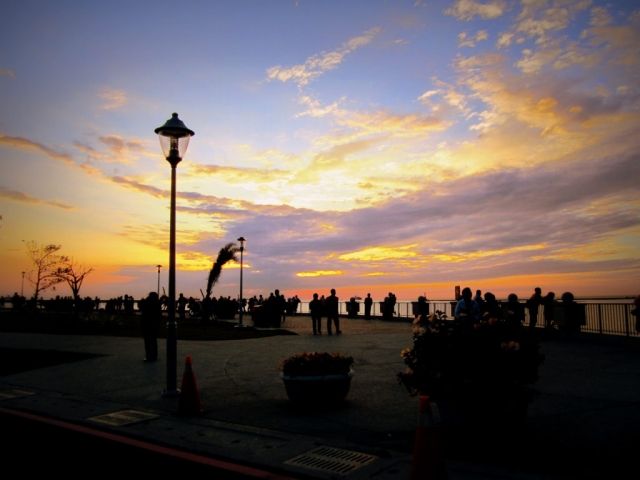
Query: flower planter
pixel 317 390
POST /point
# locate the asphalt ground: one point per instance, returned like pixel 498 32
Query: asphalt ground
pixel 583 424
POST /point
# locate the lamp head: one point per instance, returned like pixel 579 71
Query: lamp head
pixel 174 139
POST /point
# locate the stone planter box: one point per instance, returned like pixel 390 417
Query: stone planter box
pixel 317 390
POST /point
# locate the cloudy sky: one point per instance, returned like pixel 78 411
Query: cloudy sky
pixel 369 146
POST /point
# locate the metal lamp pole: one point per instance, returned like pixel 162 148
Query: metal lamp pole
pixel 242 242
pixel 159 266
pixel 174 140
pixel 22 287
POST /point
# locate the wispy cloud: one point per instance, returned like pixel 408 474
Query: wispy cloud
pixel 468 9
pixel 141 187
pixel 240 174
pixel 7 73
pixel 122 149
pixel 22 143
pixel 466 40
pixel 318 64
pixel 16 196
pixel 113 98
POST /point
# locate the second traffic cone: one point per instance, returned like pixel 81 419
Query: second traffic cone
pixel 428 462
pixel 189 403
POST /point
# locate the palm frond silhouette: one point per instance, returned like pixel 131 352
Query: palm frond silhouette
pixel 225 255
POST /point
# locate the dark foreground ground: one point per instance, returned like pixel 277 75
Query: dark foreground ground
pixel 118 325
pixel 584 424
pixel 121 325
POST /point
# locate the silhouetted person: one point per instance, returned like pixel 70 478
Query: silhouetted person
pixel 388 307
pixel 367 307
pixel 548 304
pixel 353 307
pixel 182 306
pixel 17 301
pixel 514 312
pixel 479 300
pixel 315 310
pixel 422 310
pixel 491 308
pixel 574 316
pixel 151 315
pixel 467 311
pixel 280 305
pixel 533 305
pixel 332 306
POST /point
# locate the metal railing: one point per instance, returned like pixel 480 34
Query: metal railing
pixel 601 318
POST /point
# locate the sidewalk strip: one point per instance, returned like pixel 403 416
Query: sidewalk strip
pixel 192 457
pixel 7 394
pixel 124 417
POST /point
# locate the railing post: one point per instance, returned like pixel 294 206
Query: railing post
pixel 626 320
pixel 600 318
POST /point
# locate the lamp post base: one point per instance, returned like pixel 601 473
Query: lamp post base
pixel 170 393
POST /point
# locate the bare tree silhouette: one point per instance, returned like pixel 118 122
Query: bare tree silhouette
pixel 47 262
pixel 74 274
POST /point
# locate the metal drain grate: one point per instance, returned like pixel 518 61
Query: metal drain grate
pixel 332 460
pixel 7 394
pixel 125 417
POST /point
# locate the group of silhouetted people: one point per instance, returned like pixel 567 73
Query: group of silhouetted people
pixel 328 307
pixel 568 315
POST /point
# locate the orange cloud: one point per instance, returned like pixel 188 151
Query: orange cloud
pixel 320 273
pixel 26 144
pixel 22 197
pixel 374 254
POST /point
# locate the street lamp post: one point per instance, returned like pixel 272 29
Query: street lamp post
pixel 159 266
pixel 174 140
pixel 242 242
pixel 22 287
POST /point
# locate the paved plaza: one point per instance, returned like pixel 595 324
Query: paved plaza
pixel 583 424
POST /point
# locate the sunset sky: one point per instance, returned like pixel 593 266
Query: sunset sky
pixel 362 145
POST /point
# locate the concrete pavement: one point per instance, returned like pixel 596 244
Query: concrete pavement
pixel 584 423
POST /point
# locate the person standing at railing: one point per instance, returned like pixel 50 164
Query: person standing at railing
pixel 332 307
pixel 514 313
pixel 490 307
pixel 315 310
pixel 548 304
pixel 467 311
pixel 422 311
pixel 574 315
pixel 479 300
pixel 367 307
pixel 389 307
pixel 533 305
pixel 636 312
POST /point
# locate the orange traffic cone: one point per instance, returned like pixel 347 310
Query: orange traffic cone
pixel 428 462
pixel 189 403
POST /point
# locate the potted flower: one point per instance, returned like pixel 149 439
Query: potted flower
pixel 317 377
pixel 482 372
